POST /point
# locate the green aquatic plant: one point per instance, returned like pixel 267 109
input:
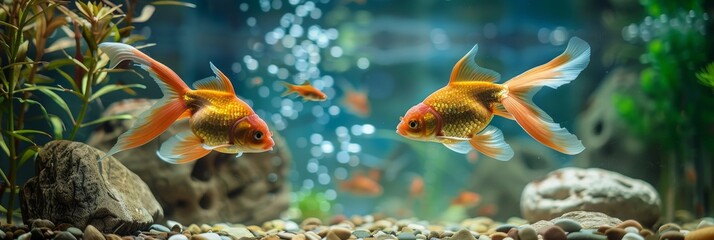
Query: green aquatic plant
pixel 34 79
pixel 706 76
pixel 670 110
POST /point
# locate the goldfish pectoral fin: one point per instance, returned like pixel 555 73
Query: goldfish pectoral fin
pixel 490 142
pixel 182 148
pixel 460 146
pixel 238 154
pixel 184 115
pixel 466 69
pixel 500 110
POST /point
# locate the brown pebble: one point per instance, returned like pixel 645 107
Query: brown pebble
pixel 332 236
pixel 127 238
pixel 310 223
pixel 554 233
pixel 706 233
pixel 498 236
pixel 513 233
pixel 63 226
pixel 603 229
pixel 197 237
pixel 630 223
pixel 271 237
pixel 19 232
pixel 113 237
pixel 646 232
pixel 463 234
pixel 342 233
pixel 672 235
pixel 299 236
pixel 615 233
pixel 92 233
pixel 668 227
pixel 357 220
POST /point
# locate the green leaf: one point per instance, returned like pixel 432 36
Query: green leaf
pixel 113 87
pixel 57 126
pixel 109 118
pixel 175 3
pixel 32 131
pixel 8 25
pixel 30 152
pixel 44 111
pixel 3 145
pixel 58 63
pixel 76 62
pixel 18 63
pixel 39 78
pixel 57 99
pixel 20 137
pixel 3 210
pixel 70 80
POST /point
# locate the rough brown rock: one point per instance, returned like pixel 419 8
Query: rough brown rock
pixel 69 189
pixel 217 188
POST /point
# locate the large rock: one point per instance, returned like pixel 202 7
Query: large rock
pixel 68 188
pixel 594 190
pixel 250 189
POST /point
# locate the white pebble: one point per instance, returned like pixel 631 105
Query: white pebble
pixel 178 237
pixel 632 236
pixel 291 226
pixel 484 237
pixel 632 229
pixel 210 236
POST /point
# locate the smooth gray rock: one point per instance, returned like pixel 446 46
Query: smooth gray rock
pixel 69 189
pixel 593 190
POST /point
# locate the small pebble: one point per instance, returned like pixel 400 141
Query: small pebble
pixel 194 229
pixel 632 229
pixel 568 225
pixel 159 227
pixel 484 237
pixel 75 231
pixel 90 232
pixel 65 236
pixel 527 233
pixel 361 233
pixel 210 236
pixel 669 227
pixel 332 236
pixel 286 235
pixel 646 232
pixel 2 234
pixel 632 236
pixel 25 236
pixel 342 233
pixel 554 233
pixel 586 236
pixel 406 236
pixel 312 236
pixel 205 228
pixel 671 235
pixel 19 232
pixel 39 223
pixel 498 236
pixel 178 237
pixel 113 237
pixel 63 226
pixel 238 232
pixel 421 236
pixel 615 233
pixel 513 233
pixel 36 234
pixel 630 223
pixel 505 228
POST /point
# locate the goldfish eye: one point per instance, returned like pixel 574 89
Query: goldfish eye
pixel 258 135
pixel 413 124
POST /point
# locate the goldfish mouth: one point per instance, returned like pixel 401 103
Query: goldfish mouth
pixel 269 145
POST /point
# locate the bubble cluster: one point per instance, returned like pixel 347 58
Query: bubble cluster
pixel 653 27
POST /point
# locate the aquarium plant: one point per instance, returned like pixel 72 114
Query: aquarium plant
pixel 671 107
pixel 50 60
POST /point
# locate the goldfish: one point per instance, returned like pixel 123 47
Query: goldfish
pixel 458 115
pixel 467 199
pixel 356 101
pixel 363 185
pixel 416 188
pixel 306 91
pixel 218 119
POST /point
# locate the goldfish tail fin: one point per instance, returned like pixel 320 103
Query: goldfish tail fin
pixel 288 89
pixel 536 122
pixel 161 115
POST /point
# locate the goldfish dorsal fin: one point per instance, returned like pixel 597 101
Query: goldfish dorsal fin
pixel 307 83
pixel 467 70
pixel 219 83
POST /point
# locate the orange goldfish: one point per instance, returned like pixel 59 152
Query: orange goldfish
pixel 467 199
pixel 416 189
pixel 458 114
pixel 218 119
pixel 363 185
pixel 306 91
pixel 356 102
